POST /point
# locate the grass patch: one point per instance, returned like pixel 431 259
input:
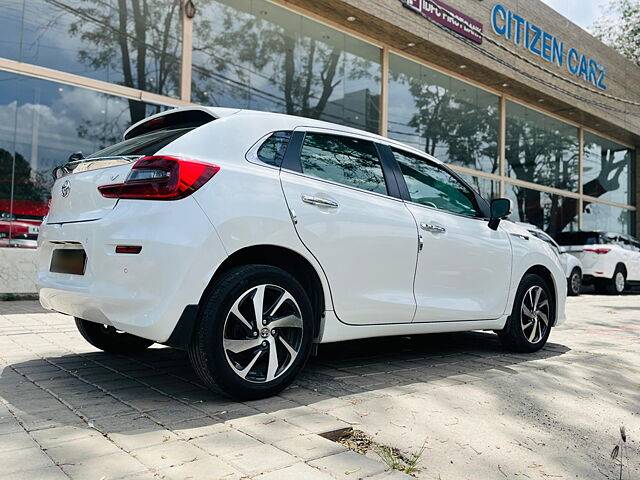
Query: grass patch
pixel 394 458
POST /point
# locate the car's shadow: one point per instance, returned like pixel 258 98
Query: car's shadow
pixel 158 389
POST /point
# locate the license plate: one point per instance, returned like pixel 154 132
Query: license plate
pixel 71 261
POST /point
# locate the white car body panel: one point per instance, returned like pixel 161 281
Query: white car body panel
pixel 141 294
pixel 570 262
pixel 366 261
pixel 462 271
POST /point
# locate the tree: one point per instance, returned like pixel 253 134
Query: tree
pixel 620 28
pixel 249 59
pixel 136 39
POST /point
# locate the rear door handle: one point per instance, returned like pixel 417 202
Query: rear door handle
pixel 321 202
pixel 432 228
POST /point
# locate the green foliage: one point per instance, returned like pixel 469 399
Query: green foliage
pixel 620 29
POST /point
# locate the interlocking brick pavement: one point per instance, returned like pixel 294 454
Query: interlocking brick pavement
pixel 68 410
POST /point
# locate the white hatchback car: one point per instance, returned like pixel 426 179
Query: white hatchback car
pixel 611 261
pixel 248 237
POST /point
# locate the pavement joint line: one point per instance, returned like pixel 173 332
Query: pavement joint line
pixel 73 410
pixel 140 411
pixel 9 407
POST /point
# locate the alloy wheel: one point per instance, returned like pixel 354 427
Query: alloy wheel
pixel 576 283
pixel 534 314
pixel 262 334
pixel 620 282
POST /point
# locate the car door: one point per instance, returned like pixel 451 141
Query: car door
pixel 464 267
pixel 346 215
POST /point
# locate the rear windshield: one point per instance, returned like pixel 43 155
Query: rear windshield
pixel 147 144
pixel 579 238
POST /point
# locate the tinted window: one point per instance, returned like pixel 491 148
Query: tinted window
pixel 147 144
pixel 433 186
pixel 272 150
pixel 345 160
pixel 579 238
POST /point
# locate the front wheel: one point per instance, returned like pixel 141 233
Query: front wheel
pixel 109 339
pixel 254 332
pixel 529 325
pixel 575 282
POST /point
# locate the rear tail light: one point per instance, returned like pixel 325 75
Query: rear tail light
pixel 599 251
pixel 161 178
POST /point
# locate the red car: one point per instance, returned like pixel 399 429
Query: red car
pixel 20 228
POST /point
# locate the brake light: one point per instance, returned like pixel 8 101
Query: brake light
pixel 161 178
pixel 599 251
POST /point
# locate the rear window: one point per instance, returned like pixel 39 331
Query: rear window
pixel 579 238
pixel 147 144
pixel 273 149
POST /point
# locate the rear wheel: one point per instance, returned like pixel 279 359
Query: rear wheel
pixel 109 339
pixel 575 282
pixel 529 325
pixel 254 332
pixel 615 285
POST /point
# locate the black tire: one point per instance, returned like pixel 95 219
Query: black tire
pixel 615 285
pixel 574 282
pixel 516 336
pixel 220 367
pixel 109 339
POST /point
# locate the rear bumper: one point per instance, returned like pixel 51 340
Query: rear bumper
pixel 143 294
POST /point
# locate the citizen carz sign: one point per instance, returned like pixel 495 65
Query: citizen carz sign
pixel 445 15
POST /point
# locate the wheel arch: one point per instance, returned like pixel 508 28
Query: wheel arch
pixel 544 273
pixel 286 259
pixel 623 267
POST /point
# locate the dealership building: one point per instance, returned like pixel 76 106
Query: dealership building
pixel 517 99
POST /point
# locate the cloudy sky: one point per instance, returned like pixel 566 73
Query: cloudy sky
pixel 581 12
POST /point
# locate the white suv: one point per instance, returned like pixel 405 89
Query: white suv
pixel 247 237
pixel 611 261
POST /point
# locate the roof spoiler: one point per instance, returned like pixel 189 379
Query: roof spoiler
pixel 185 117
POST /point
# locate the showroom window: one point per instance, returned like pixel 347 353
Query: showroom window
pixel 541 149
pixel 486 187
pixel 88 38
pixel 43 123
pixel 345 160
pixel 607 169
pixel 254 54
pixel 598 216
pixel 549 212
pixel 450 119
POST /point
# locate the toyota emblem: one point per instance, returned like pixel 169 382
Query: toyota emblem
pixel 66 188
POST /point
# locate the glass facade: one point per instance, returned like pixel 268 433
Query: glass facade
pixel 443 116
pixel 259 55
pixel 488 188
pixel 551 213
pixel 41 124
pixel 541 149
pixel 607 169
pixel 138 46
pixel 598 216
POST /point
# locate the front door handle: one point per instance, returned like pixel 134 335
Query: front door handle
pixel 321 202
pixel 432 228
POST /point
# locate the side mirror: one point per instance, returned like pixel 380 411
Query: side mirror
pixel 500 209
